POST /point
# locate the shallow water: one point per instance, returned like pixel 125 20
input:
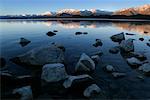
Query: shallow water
pixel 127 87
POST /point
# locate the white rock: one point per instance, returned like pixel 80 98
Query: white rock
pixel 127 45
pixel 54 72
pixel 91 89
pixel 133 61
pixel 110 68
pixel 118 75
pixel 69 81
pixel 85 63
pixel 145 68
pixel 25 92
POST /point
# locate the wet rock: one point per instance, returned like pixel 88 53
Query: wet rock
pixel 133 61
pixel 24 92
pixel 78 33
pixel 127 45
pixel 148 44
pixel 129 34
pixel 139 56
pixel 145 68
pixel 85 32
pixel 114 50
pixel 54 72
pixel 98 43
pixel 55 31
pixel 118 74
pixel 141 39
pixel 85 64
pixel 2 62
pixel 23 42
pixel 118 37
pixel 40 56
pixel 76 80
pixel 50 33
pixel 109 68
pixel 60 46
pixel 91 90
pixel 95 58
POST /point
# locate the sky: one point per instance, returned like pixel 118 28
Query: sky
pixel 15 7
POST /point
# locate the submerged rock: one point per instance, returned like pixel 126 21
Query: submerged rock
pixel 40 56
pixel 54 72
pixel 23 42
pixel 76 80
pixel 145 68
pixel 109 68
pixel 2 62
pixel 50 33
pixel 98 43
pixel 118 74
pixel 114 50
pixel 148 44
pixel 141 39
pixel 91 89
pixel 85 64
pixel 133 61
pixel 25 92
pixel 127 45
pixel 118 37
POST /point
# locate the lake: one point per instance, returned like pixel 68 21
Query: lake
pixel 127 87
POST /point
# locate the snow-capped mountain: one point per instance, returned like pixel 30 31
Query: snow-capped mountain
pixel 143 10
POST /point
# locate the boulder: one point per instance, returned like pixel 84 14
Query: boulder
pixel 118 37
pixel 23 42
pixel 109 68
pixel 50 33
pixel 76 80
pixel 54 72
pixel 127 45
pixel 114 50
pixel 133 61
pixel 2 62
pixel 145 68
pixel 118 74
pixel 91 89
pixel 98 43
pixel 25 92
pixel 148 44
pixel 85 64
pixel 40 56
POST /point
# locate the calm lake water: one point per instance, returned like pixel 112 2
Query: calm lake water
pixel 127 87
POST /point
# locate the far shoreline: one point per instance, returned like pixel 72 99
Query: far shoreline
pixel 77 19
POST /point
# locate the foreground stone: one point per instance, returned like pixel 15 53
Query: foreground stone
pixel 50 33
pixel 133 61
pixel 76 80
pixel 54 72
pixel 25 92
pixel 91 89
pixel 40 56
pixel 118 37
pixel 127 45
pixel 118 74
pixel 114 50
pixel 85 64
pixel 145 68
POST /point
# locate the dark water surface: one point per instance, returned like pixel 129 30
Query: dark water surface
pixel 127 87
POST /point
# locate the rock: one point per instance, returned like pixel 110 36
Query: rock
pixel 40 56
pixel 55 31
pixel 54 72
pixel 141 39
pixel 85 32
pixel 76 80
pixel 85 64
pixel 133 61
pixel 114 50
pixel 139 56
pixel 91 89
pixel 23 42
pixel 95 58
pixel 98 43
pixel 129 34
pixel 127 45
pixel 109 68
pixel 60 46
pixel 78 33
pixel 148 44
pixel 25 92
pixel 145 32
pixel 145 68
pixel 118 37
pixel 118 75
pixel 50 33
pixel 2 62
